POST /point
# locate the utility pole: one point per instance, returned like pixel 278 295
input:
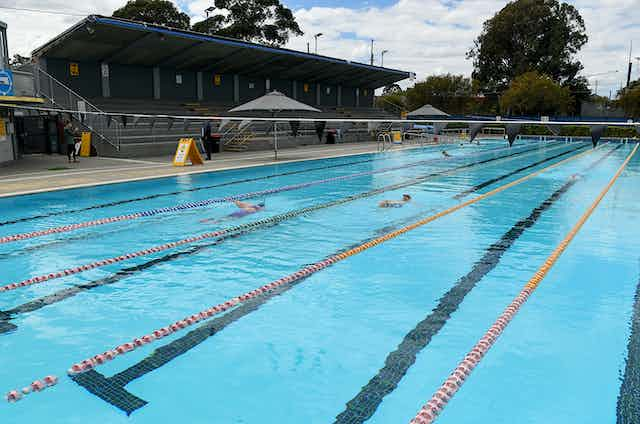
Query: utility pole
pixel 371 52
pixel 630 64
pixel 308 50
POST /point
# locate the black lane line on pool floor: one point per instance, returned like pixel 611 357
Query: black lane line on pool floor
pixel 155 196
pixel 112 389
pixel 6 316
pixel 366 402
pixel 628 405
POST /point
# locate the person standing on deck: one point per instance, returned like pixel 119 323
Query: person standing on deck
pixel 207 140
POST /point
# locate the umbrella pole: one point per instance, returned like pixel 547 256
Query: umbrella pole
pixel 275 135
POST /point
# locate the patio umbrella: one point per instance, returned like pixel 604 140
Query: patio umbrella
pixel 274 102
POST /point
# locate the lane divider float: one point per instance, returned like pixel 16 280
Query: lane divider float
pixel 430 411
pixel 207 202
pixel 36 386
pixel 101 358
pixel 214 234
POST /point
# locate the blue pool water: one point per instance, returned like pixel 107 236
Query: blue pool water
pixel 316 353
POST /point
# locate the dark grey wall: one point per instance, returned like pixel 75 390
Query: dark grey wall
pixel 169 90
pixel 247 93
pixel 134 82
pixel 366 97
pixel 310 96
pixel 328 99
pixel 348 96
pixel 87 83
pixel 222 93
pixel 283 86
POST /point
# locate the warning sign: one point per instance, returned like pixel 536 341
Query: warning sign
pixel 187 150
pixel 74 69
pixel 217 80
pixel 85 145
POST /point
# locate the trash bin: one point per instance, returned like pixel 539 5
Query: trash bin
pixel 216 140
pixel 331 137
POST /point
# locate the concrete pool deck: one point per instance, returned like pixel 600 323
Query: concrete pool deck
pixel 41 173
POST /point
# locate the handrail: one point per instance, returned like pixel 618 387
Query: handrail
pixel 99 126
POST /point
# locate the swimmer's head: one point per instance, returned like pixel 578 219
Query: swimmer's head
pixel 261 205
pixel 406 197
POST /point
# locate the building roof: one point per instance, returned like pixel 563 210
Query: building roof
pixel 427 110
pixel 115 40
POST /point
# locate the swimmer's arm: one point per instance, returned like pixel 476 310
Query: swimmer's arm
pixel 243 205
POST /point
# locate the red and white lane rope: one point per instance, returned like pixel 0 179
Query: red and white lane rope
pixel 430 411
pixel 36 386
pixel 207 202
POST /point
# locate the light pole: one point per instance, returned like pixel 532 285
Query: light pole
pixel 600 74
pixel 315 37
pixel 371 52
pixel 382 53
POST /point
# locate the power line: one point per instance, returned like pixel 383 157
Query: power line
pixel 49 12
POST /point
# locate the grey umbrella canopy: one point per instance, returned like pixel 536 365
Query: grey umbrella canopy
pixel 274 102
pixel 427 111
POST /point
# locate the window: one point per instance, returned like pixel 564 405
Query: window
pixel 328 91
pixel 179 79
pixel 252 85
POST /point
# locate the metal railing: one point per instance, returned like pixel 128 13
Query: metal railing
pixel 105 127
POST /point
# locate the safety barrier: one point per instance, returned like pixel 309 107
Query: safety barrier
pixel 99 359
pixel 232 230
pixel 207 202
pixel 448 389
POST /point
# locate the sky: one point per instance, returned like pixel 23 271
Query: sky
pixel 422 36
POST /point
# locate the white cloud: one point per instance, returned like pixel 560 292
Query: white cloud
pixel 423 36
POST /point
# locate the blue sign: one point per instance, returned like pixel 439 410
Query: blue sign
pixel 6 83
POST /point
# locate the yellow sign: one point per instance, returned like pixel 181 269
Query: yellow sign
pixel 74 69
pixel 217 80
pixel 187 150
pixel 305 88
pixel 404 114
pixel 3 130
pixel 85 145
pixel 365 92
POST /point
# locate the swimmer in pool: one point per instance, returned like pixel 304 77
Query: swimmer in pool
pixel 244 209
pixel 395 203
pixel 445 154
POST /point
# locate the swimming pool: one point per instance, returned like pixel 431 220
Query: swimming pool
pixel 323 307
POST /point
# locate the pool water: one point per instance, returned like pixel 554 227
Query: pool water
pixel 368 338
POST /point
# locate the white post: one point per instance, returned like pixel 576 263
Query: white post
pixel 275 135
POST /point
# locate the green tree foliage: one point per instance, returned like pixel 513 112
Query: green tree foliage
pixel 18 60
pixel 529 35
pixel 392 89
pixel 450 93
pixel 160 12
pixel 629 99
pixel 261 21
pixel 535 94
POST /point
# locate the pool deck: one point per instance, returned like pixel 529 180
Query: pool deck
pixel 41 173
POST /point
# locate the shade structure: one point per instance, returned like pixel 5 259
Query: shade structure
pixel 427 111
pixel 274 102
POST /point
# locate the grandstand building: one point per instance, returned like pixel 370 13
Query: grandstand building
pixel 116 65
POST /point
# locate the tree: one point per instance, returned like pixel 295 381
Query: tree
pixel 534 94
pixel 18 60
pixel 450 93
pixel 529 35
pixel 392 89
pixel 261 21
pixel 629 99
pixel 160 12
